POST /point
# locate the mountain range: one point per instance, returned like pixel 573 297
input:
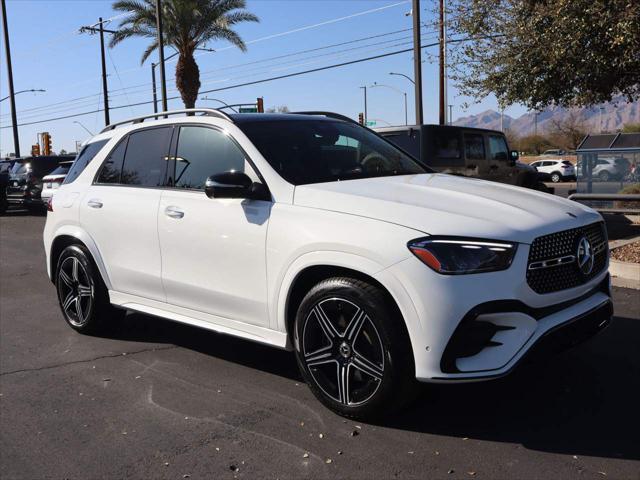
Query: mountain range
pixel 609 117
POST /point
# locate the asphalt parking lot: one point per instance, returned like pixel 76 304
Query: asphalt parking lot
pixel 161 400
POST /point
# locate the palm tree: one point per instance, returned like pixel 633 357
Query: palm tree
pixel 186 25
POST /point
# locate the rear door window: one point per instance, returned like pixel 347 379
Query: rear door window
pixel 498 148
pixel 88 152
pixel 474 146
pixel 145 161
pixel 112 166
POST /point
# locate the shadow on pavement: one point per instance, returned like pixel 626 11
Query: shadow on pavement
pixel 585 401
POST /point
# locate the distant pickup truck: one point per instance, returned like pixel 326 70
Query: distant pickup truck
pixel 472 152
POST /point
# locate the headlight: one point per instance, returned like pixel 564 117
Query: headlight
pixel 459 255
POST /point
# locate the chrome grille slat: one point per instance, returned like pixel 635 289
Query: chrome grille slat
pixel 548 268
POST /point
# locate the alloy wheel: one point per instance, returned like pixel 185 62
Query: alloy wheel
pixel 75 291
pixel 343 351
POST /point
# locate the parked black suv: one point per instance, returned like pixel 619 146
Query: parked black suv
pixel 472 152
pixel 25 179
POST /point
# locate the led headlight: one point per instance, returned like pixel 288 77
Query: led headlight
pixel 458 255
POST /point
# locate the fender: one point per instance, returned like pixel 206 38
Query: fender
pixel 81 234
pixel 353 262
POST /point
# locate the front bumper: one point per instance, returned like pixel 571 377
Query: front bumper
pixel 512 317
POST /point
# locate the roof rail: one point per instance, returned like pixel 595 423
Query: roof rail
pixel 330 115
pixel 209 112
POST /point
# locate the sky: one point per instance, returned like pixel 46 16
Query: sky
pixel 48 53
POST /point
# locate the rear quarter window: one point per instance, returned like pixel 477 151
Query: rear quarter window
pixel 83 159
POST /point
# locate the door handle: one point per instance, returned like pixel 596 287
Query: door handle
pixel 173 212
pixel 93 203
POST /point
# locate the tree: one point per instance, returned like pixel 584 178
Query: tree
pixel 547 52
pixel 187 24
pixel 280 109
pixel 534 144
pixel 62 152
pixel 568 132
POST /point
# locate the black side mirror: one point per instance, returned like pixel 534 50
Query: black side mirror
pixel 235 185
pixel 514 157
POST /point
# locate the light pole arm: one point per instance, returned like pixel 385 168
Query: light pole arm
pixel 22 91
pixel 403 75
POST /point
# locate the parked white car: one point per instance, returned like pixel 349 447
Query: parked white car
pixel 51 182
pixel 558 170
pixel 312 233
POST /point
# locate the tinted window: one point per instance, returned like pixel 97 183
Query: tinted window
pixel 498 148
pixel 567 162
pixel 88 152
pixel 474 146
pixel 20 168
pixel 112 166
pixel 408 141
pixel 145 160
pixel 447 144
pixel 314 151
pixel 203 152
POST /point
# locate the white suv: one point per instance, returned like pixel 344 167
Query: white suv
pixel 558 170
pixel 312 233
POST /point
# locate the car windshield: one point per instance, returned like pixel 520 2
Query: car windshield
pixel 20 168
pixel 316 151
pixel 61 170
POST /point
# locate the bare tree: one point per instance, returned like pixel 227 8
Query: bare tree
pixel 569 131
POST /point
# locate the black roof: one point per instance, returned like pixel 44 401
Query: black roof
pixel 241 118
pixel 400 128
pixel 610 141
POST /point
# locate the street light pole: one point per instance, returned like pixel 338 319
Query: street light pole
pixel 450 114
pixel 406 118
pixel 14 116
pixel 403 75
pixel 22 91
pixel 417 60
pixel 163 81
pixel 153 83
pixel 82 125
pixel 442 101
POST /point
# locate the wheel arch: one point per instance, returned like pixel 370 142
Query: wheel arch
pixel 67 236
pixel 306 276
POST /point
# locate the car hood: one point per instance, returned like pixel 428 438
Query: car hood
pixel 440 204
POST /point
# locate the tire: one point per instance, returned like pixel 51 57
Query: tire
pixel 556 177
pixel 353 350
pixel 82 295
pixel 604 176
pixel 4 205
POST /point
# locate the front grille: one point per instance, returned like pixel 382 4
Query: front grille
pixel 553 265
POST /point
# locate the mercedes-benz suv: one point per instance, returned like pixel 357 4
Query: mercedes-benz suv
pixel 311 233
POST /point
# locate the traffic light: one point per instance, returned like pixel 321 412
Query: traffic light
pixel 361 118
pixel 260 104
pixel 35 150
pixel 46 143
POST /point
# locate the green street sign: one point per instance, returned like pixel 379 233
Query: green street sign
pixel 371 123
pixel 248 110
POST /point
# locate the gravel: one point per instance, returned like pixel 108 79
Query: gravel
pixel 627 253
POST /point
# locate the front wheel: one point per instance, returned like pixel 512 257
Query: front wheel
pixel 556 177
pixel 83 297
pixel 604 176
pixel 352 348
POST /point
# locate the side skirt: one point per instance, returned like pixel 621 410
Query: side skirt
pixel 199 319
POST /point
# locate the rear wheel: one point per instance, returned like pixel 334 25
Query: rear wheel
pixel 352 350
pixel 82 295
pixel 604 176
pixel 556 177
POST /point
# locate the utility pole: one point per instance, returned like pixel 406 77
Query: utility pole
pixel 417 60
pixel 365 104
pixel 163 80
pixel 153 83
pixel 450 114
pixel 443 113
pixel 14 116
pixel 105 88
pixel 502 119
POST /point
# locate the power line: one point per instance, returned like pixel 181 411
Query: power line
pixel 255 82
pixel 78 102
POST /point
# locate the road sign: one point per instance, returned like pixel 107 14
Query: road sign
pixel 248 110
pixel 371 123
